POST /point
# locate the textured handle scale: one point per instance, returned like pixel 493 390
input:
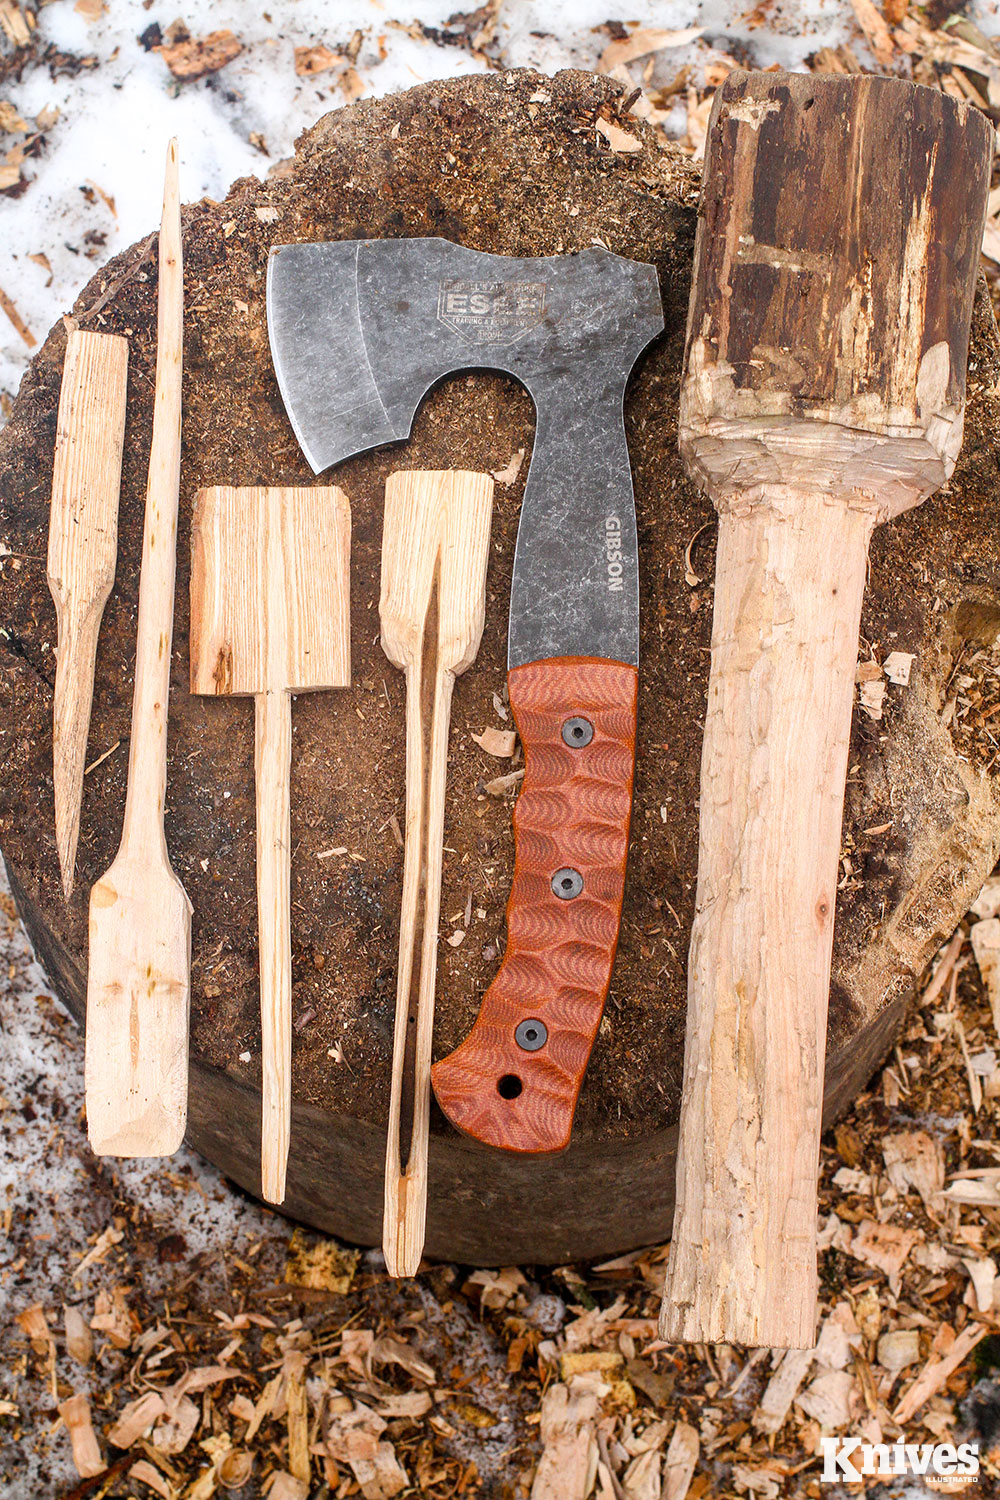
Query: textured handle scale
pixel 572 816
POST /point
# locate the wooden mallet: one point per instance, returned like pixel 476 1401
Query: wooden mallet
pixel 835 268
pixel 270 616
pixel 435 548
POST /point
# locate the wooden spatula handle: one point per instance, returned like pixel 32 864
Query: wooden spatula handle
pixel 515 1079
pixel 272 773
pixel 435 548
pixel 777 730
pixel 147 765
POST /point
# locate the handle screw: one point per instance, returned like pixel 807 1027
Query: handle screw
pixel 567 883
pixel 531 1035
pixel 577 732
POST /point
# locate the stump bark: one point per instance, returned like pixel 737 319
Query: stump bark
pixel 510 163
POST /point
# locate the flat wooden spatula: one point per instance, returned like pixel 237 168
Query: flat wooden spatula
pixel 835 268
pixel 139 975
pixel 83 551
pixel 435 548
pixel 270 616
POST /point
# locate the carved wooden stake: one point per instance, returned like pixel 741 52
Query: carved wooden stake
pixel 834 276
pixel 139 977
pixel 435 548
pixel 83 549
pixel 270 615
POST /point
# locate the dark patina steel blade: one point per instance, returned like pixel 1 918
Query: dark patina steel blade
pixel 361 330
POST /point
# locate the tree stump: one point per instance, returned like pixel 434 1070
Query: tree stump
pixel 512 163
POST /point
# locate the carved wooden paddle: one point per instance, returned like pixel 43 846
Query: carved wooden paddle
pixel 435 548
pixel 270 616
pixel 835 267
pixel 83 550
pixel 139 976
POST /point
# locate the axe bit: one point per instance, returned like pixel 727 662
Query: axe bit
pixel 360 331
pixel 835 268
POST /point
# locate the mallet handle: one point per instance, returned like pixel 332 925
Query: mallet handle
pixel 789 582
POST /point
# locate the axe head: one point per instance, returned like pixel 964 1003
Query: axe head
pixel 361 329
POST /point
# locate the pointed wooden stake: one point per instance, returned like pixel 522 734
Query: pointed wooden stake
pixel 83 547
pixel 270 615
pixel 139 980
pixel 435 548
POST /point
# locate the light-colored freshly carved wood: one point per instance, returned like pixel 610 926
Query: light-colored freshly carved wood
pixel 270 616
pixel 823 393
pixel 83 548
pixel 435 550
pixel 139 977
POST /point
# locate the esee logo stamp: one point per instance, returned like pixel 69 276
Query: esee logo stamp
pixel 491 312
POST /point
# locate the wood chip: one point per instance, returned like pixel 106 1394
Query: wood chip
pixel 90 10
pixel 828 1399
pixel 983 1275
pixel 899 1348
pixel 620 141
pixel 79 1339
pixel 501 785
pixel 781 1390
pixel 642 41
pixel 197 57
pixel 498 742
pixel 35 1324
pixel 75 1412
pixel 105 1242
pixel 884 1246
pixel 176 1430
pixel 285 1486
pixel 312 60
pixel 897 667
pixel 10 121
pixel 14 23
pixel 509 474
pixel 569 1443
pixel 390 1351
pixel 679 1464
pixel 146 1474
pixel 872 697
pixel 325 1266
pixel 914 1159
pixel 874 27
pixel 7 306
pixel 136 1419
pixel 936 1372
pixel 298 1427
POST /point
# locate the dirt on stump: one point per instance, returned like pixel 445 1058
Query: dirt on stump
pixel 510 163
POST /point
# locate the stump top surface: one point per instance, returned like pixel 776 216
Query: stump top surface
pixel 509 163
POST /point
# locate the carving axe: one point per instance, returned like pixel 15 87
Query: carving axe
pixel 360 331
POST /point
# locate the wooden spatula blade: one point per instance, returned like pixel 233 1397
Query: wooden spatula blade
pixel 138 1003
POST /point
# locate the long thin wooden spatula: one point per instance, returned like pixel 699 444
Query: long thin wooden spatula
pixel 270 616
pixel 139 980
pixel 83 548
pixel 435 547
